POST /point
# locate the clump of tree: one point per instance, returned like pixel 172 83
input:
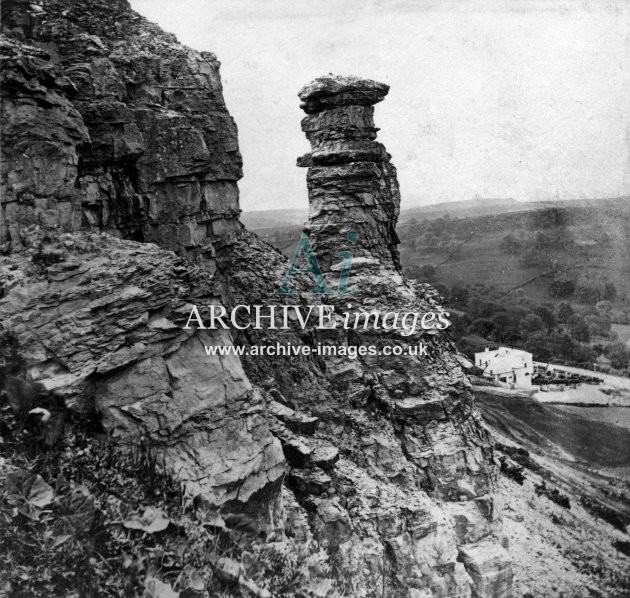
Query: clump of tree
pixel 591 294
pixel 551 333
pixel 561 287
pixel 424 273
pixel 598 324
pixel 553 494
pixel 619 356
pixel 540 249
pixel 579 329
pixel 564 312
pixel 512 470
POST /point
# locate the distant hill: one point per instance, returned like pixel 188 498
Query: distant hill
pixel 583 243
pixel 256 220
pixel 503 242
pixel 470 207
pixel 483 206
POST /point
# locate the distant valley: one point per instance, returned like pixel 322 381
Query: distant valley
pixel 585 243
pixel 550 277
pixel 499 242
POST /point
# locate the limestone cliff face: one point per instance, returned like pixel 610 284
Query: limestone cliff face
pixel 111 124
pixel 113 129
pixel 98 322
pixel 391 468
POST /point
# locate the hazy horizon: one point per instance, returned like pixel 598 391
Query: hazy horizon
pixel 408 206
pixel 525 99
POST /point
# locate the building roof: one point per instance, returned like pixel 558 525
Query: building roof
pixel 504 360
pixel 504 352
pixel 503 365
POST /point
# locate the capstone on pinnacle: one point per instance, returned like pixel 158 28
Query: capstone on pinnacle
pixel 333 90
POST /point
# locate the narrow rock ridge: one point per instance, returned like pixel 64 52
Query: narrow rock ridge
pixel 109 123
pixel 353 191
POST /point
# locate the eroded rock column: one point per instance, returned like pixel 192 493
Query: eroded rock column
pixel 407 424
pixel 353 191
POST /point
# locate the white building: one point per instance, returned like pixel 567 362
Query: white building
pixel 510 366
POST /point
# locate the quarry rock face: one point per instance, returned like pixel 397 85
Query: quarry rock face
pixel 111 124
pixel 404 504
pixel 98 322
pixel 118 151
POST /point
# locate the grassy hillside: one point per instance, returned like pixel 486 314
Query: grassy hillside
pixel 586 244
pixel 538 426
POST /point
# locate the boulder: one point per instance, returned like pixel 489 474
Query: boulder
pixel 489 566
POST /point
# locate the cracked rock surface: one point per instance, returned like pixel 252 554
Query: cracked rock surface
pixel 110 123
pixel 404 502
pixel 101 328
pixel 120 210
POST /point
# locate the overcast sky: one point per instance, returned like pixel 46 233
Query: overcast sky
pixel 514 98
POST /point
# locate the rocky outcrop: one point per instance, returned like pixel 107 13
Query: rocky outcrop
pixel 404 504
pixel 354 198
pixel 98 322
pixel 42 130
pixel 112 129
pixel 111 124
pixel 427 432
pixel 428 398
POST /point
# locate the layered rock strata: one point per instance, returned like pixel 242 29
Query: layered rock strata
pixel 98 322
pixel 109 123
pixel 429 393
pixel 354 198
pixel 396 479
pixel 111 126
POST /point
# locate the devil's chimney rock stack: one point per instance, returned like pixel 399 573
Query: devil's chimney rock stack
pixel 352 187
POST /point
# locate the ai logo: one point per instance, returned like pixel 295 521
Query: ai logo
pixel 321 286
